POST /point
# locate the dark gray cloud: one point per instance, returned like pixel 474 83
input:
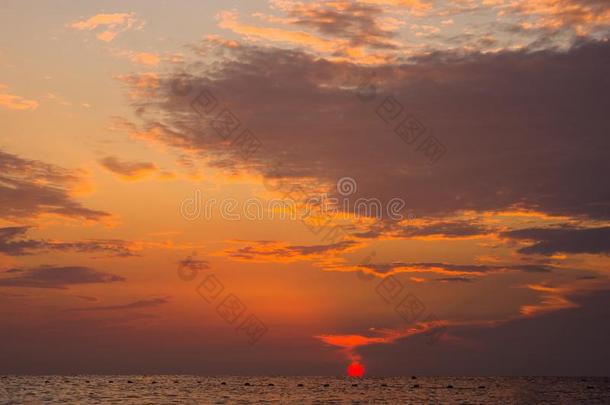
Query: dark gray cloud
pixel 194 264
pixel 126 169
pixel 455 280
pixel 60 277
pixel 111 247
pixel 547 241
pixel 29 188
pixel 147 303
pixel 521 129
pixel 189 268
pixel 355 22
pixel 11 242
pixel 385 268
pixel 445 229
pixel 14 243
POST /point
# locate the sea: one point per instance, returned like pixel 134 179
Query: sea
pixel 192 389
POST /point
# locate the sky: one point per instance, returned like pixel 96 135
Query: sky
pixel 285 187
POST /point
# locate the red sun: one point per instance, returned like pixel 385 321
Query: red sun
pixel 355 370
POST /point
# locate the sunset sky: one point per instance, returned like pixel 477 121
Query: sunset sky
pixel 139 140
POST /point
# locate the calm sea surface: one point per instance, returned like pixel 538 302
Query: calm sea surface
pixel 180 389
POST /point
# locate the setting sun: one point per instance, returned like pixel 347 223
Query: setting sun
pixel 355 370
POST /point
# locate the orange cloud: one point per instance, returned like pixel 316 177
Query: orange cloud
pixel 14 102
pixel 281 252
pixel 554 299
pixel 349 343
pixel 345 31
pixel 415 5
pixel 557 297
pixel 113 24
pixel 146 58
pixel 140 84
pixel 228 20
pixel 581 16
pixel 143 80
